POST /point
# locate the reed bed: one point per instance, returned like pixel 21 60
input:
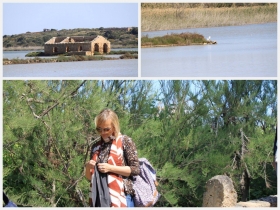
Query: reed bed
pixel 129 56
pixel 168 18
pixel 61 58
pixel 174 40
pixel 115 52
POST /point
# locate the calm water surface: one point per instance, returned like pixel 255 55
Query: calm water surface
pixel 242 51
pixel 106 68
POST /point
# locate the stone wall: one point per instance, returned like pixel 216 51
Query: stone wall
pixel 77 45
pixel 104 46
pixel 61 48
pixel 220 192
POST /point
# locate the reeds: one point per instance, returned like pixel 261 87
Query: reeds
pixel 60 58
pixel 129 56
pixel 117 52
pixel 167 18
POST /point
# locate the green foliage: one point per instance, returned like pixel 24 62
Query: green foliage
pixel 120 52
pixel 97 53
pixel 60 58
pixel 189 130
pixel 34 54
pixel 128 55
pixel 111 34
pixel 176 39
pixel 134 31
pixel 47 38
pixel 92 34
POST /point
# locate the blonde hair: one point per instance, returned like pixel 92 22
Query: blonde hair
pixel 107 114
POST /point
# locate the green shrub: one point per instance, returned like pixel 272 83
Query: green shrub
pixel 97 53
pixel 61 58
pixel 128 56
pixel 176 39
pixel 34 54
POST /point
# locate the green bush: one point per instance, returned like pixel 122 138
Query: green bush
pixel 128 56
pixel 97 53
pixel 34 54
pixel 177 39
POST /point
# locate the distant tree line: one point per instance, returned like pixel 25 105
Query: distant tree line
pixel 117 36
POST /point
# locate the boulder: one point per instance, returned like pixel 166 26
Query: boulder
pixel 219 192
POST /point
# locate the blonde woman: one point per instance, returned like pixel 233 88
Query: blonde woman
pixel 114 156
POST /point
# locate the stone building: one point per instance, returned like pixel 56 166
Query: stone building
pixel 77 45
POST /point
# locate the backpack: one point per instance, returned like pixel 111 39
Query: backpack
pixel 8 202
pixel 144 184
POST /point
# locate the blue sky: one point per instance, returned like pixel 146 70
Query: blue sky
pixel 34 17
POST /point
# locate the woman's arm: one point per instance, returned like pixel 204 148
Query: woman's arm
pixel 131 156
pixel 89 166
pixel 91 163
pixel 121 170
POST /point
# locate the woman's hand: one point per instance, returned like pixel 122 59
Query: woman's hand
pixel 121 170
pixel 89 168
pixel 104 167
pixel 90 165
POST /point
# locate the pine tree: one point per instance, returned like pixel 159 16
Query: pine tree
pixel 189 130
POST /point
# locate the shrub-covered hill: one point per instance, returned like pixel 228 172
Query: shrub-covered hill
pixel 119 37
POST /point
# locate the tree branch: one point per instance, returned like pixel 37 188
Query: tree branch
pixel 70 186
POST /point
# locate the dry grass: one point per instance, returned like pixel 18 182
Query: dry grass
pixel 154 19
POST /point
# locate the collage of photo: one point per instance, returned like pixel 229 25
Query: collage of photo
pixel 139 104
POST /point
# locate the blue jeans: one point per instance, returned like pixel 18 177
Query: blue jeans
pixel 129 201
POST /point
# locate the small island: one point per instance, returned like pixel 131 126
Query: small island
pixel 182 39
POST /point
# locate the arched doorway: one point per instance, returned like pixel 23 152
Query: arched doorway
pixel 67 49
pixel 105 48
pixel 54 49
pixel 96 48
pixel 80 48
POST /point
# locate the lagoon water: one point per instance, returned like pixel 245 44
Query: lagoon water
pixel 105 68
pixel 242 51
pixel 21 54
